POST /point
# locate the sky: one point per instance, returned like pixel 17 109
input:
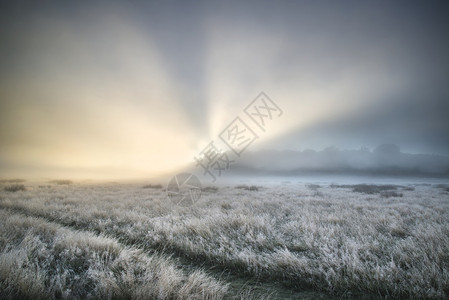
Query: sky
pixel 138 88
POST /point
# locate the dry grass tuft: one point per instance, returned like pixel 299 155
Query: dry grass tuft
pixel 248 187
pixel 210 189
pixel 389 194
pixel 15 188
pixel 152 186
pixel 62 181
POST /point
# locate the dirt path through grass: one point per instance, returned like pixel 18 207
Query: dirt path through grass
pixel 241 286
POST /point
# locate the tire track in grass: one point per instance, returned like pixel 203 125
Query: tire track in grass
pixel 243 284
pixel 42 259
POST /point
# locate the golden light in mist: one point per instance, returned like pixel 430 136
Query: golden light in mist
pixel 105 105
pixel 140 89
pixel 79 115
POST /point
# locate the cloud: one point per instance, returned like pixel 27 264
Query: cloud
pixel 95 94
pixel 146 85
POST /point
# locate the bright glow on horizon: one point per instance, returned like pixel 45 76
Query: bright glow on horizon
pixel 139 90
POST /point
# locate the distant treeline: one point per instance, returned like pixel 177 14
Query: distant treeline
pixel 386 159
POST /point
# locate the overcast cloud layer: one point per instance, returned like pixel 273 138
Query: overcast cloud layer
pixel 141 87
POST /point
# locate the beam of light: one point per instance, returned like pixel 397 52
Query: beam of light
pixel 241 62
pixel 102 101
pixel 143 88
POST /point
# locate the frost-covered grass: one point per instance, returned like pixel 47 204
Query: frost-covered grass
pixel 320 238
pixel 14 187
pixel 42 260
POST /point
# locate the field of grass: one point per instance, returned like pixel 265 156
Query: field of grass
pixel 64 239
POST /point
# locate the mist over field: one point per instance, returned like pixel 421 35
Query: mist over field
pixel 385 160
pixel 138 89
